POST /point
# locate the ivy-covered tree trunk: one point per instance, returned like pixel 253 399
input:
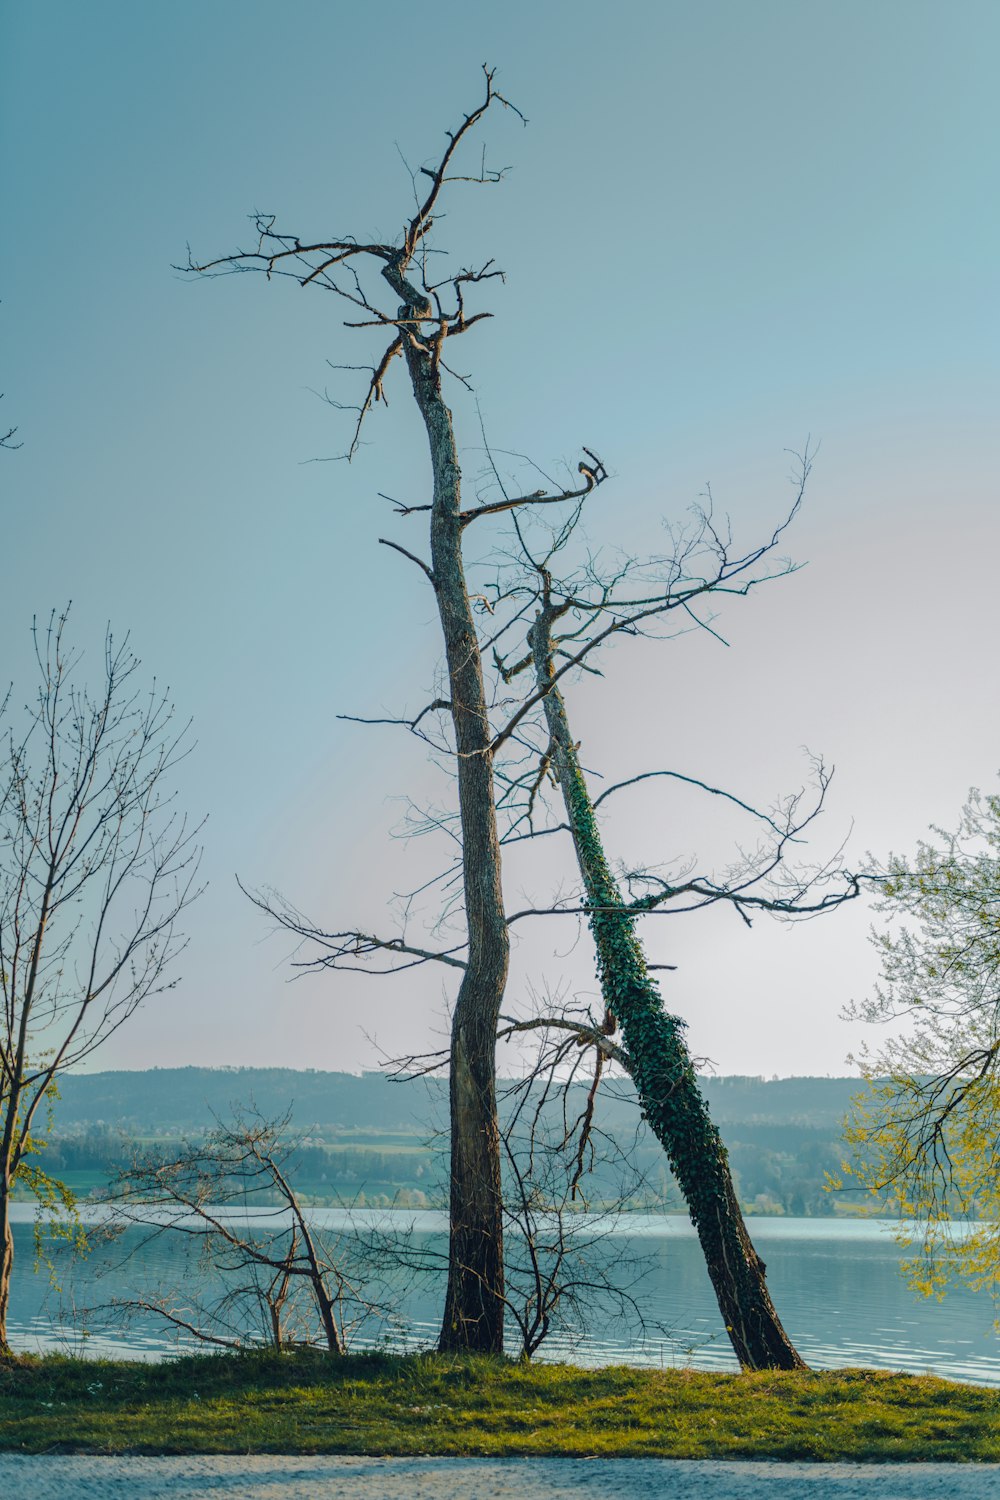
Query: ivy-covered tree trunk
pixel 661 1065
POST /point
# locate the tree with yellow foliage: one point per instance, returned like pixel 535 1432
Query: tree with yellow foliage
pixel 926 1129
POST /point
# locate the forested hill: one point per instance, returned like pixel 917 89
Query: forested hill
pixel 370 1141
pixel 180 1099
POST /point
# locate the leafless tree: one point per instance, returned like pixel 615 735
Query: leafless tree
pixel 571 619
pixel 233 1198
pixel 428 315
pixel 96 866
pixel 660 1062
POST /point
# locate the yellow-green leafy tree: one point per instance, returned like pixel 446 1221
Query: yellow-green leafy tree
pixel 926 1128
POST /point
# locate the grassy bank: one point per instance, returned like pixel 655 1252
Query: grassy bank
pixel 430 1404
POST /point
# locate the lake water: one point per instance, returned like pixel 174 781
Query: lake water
pixel 835 1283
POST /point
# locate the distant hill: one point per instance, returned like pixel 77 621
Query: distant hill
pixel 170 1100
pixel 181 1099
pixel 367 1139
pixel 780 1101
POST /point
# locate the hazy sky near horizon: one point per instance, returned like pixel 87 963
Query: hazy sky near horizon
pixel 726 227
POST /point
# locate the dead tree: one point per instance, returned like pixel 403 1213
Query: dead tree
pixel 96 866
pixel 429 314
pixel 233 1198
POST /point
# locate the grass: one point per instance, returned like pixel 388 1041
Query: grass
pixel 304 1402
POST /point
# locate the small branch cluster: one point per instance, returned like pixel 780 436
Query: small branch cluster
pixel 232 1198
pixel 433 311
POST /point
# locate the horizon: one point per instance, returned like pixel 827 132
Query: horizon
pixel 435 1077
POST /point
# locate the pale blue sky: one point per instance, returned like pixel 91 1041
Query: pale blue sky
pixel 726 226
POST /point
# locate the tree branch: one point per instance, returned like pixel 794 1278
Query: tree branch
pixel 343 946
pixel 593 471
pixel 383 541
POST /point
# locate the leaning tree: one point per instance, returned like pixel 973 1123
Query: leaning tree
pixel 572 619
pixel 566 613
pixel 96 866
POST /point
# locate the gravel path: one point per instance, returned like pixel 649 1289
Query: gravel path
pixel 277 1478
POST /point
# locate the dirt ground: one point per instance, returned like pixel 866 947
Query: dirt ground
pixel 277 1478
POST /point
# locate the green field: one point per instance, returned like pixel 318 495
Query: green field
pixel 432 1404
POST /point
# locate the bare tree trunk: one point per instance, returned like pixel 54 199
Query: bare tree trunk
pixel 474 1305
pixel 661 1065
pixel 6 1263
pixel 325 1304
pixel 327 1317
pixel 8 1166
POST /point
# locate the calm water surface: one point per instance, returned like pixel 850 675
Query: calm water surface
pixel 836 1285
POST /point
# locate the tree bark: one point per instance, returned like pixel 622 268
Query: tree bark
pixel 474 1304
pixel 6 1264
pixel 327 1317
pixel 9 1159
pixel 661 1064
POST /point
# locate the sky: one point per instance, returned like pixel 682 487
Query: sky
pixel 726 228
